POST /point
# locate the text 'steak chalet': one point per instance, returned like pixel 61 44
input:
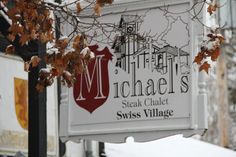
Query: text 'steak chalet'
pixel 143 84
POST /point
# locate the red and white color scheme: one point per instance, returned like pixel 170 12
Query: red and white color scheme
pixel 141 86
pixel 92 87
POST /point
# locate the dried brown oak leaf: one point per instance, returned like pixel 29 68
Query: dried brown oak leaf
pixel 10 49
pixel 215 54
pixel 205 66
pixel 62 43
pixel 78 7
pixel 26 66
pixel 211 8
pixel 24 39
pixel 97 9
pixel 198 59
pixel 103 2
pixel 34 61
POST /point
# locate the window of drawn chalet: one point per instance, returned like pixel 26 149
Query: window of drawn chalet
pixel 160 61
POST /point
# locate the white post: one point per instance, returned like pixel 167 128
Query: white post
pixel 202 101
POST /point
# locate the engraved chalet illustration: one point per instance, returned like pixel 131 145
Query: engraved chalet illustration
pixel 133 50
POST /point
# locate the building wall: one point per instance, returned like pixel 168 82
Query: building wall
pixel 222 84
pixel 13 135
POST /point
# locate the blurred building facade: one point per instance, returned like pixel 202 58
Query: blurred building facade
pixel 222 83
pixel 14 110
pixel 14 115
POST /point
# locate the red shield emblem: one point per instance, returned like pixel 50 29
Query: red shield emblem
pixel 91 89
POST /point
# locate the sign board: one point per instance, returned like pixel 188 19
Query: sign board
pixel 141 86
pixel 14 109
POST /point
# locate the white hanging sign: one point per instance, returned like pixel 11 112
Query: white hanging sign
pixel 142 86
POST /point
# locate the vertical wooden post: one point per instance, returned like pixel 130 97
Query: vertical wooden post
pixel 37 139
pixel 223 116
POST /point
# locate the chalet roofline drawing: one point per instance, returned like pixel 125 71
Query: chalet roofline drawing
pixel 131 48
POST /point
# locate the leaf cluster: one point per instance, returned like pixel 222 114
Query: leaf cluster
pixel 66 58
pixel 212 7
pixel 65 62
pixel 30 21
pixel 99 4
pixel 210 48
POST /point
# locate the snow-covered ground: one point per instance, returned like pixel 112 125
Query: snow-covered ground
pixel 174 146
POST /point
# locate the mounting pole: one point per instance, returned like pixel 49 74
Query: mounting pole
pixel 37 139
